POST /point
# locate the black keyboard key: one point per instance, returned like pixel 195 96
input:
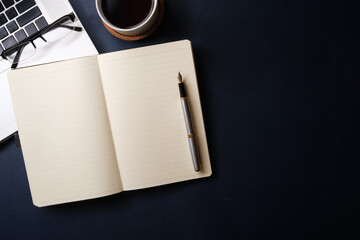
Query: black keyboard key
pixel 1 49
pixel 41 23
pixel 12 26
pixel 11 13
pixel 10 41
pixel 24 5
pixel 30 29
pixel 8 3
pixel 3 19
pixel 28 16
pixel 20 35
pixel 3 33
pixel 1 7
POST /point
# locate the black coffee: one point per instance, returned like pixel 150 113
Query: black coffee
pixel 126 13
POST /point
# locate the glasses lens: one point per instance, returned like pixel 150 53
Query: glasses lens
pixel 21 53
pixel 59 31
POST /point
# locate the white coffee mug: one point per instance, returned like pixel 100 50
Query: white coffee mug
pixel 144 26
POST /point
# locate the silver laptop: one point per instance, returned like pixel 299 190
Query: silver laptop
pixel 22 18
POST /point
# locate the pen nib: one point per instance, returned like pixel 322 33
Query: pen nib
pixel 179 78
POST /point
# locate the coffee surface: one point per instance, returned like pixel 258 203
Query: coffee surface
pixel 126 13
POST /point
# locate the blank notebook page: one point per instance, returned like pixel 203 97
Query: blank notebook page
pixel 142 97
pixel 64 131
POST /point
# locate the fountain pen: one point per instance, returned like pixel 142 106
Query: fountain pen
pixel 189 125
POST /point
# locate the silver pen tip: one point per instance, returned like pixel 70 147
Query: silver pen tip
pixel 179 78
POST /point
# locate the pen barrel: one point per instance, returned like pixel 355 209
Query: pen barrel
pixel 187 116
pixel 194 153
pixel 191 134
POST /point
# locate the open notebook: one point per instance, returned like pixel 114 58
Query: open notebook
pixel 103 124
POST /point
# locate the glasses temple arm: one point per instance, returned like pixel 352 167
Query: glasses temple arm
pixel 17 57
pixel 78 29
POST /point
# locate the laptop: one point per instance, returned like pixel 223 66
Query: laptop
pixel 22 18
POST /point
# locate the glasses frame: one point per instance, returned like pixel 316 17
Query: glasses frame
pixel 18 48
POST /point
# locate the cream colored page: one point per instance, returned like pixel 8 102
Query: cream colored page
pixel 64 131
pixel 146 118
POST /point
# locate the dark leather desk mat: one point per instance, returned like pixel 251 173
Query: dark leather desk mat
pixel 279 85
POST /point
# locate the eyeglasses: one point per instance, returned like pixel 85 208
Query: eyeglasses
pixel 54 32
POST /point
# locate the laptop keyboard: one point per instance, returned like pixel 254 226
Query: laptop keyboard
pixel 18 20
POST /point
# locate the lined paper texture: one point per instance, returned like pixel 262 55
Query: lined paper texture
pixel 64 131
pixel 148 128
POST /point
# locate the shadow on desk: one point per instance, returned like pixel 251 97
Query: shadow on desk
pixel 4 144
pixel 140 200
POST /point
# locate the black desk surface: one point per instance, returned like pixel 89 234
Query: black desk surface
pixel 279 84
